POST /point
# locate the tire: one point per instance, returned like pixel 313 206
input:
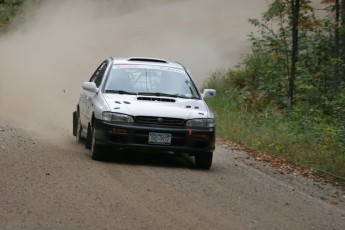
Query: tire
pixel 78 137
pixel 203 160
pixel 95 148
pixel 75 119
pixel 88 137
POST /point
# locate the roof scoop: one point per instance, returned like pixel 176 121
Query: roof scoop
pixel 144 59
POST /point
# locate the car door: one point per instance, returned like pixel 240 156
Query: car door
pixel 86 100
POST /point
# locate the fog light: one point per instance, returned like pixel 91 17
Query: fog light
pixel 119 130
pixel 200 135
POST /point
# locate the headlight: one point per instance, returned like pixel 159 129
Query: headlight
pixel 116 117
pixel 204 123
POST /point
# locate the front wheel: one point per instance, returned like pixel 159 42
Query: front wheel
pixel 88 140
pixel 203 160
pixel 79 130
pixel 95 148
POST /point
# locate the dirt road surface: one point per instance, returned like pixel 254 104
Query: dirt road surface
pixel 45 186
pixel 47 181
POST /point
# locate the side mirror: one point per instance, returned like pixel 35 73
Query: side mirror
pixel 209 93
pixel 90 87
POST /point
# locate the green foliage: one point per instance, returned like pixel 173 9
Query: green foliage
pixel 270 61
pixel 8 10
pixel 252 106
pixel 302 135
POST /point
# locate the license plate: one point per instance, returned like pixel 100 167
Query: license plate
pixel 160 138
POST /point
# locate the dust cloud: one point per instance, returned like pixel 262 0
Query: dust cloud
pixel 56 46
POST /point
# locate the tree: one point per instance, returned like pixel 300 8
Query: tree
pixel 342 34
pixel 295 6
pixel 8 10
pixel 336 47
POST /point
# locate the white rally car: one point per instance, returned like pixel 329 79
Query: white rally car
pixel 145 104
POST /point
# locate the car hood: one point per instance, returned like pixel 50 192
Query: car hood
pixel 136 105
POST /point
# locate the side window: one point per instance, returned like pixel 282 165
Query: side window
pixel 99 73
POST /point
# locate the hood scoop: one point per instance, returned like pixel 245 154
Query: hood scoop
pixel 160 99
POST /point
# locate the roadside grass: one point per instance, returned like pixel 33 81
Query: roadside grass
pixel 256 124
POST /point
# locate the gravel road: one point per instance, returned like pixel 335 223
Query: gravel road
pixel 45 186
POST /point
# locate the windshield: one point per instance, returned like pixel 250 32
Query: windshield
pixel 150 80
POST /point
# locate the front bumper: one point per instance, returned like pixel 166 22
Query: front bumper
pixel 135 136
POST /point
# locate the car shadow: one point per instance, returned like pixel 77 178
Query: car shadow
pixel 156 159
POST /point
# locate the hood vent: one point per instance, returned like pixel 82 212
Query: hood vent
pixel 161 99
pixel 126 102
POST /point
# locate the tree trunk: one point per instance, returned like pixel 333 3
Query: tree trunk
pixel 336 47
pixel 295 16
pixel 342 39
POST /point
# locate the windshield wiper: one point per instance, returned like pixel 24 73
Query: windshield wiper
pixel 119 92
pixel 161 94
pixel 157 94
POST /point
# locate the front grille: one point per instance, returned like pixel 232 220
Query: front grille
pixel 160 120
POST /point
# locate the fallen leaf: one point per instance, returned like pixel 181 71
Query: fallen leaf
pixel 278 163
